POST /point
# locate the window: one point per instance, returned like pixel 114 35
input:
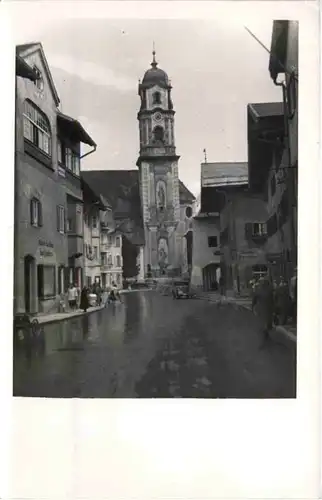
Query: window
pixel 212 241
pixel 118 279
pixel 35 213
pixel 61 219
pixel 94 222
pixel 79 220
pixel 68 158
pixel 109 260
pixel 40 81
pixel 36 127
pixel 188 212
pixel 273 185
pixel 156 98
pixel 158 134
pixel 75 164
pixel 103 259
pixel 60 151
pixel 118 241
pixel 95 253
pixel 259 229
pixel 118 261
pixel 46 277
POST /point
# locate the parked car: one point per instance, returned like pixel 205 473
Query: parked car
pixel 181 290
pixel 139 285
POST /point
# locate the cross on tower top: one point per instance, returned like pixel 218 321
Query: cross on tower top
pixel 154 63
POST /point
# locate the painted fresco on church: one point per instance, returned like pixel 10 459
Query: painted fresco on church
pixel 163 254
pixel 161 194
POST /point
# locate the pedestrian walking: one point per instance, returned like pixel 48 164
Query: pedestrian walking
pixel 293 295
pixel 222 285
pixel 84 302
pixel 281 302
pixel 72 296
pixel 265 305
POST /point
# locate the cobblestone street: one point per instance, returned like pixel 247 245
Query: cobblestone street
pixel 152 346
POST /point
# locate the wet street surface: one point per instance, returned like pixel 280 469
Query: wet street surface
pixel 152 346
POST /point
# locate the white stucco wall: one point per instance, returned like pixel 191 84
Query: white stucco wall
pixel 202 255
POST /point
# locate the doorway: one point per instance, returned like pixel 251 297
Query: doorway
pixel 209 275
pixel 29 280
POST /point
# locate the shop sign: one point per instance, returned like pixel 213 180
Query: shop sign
pixel 45 253
pixel 46 248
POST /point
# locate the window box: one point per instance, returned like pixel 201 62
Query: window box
pixel 37 154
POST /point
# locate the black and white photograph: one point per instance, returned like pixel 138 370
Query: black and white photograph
pixel 160 249
pixel 155 230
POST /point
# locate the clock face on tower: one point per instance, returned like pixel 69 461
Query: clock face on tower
pixel 157 117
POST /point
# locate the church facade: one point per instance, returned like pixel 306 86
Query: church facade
pixel 165 211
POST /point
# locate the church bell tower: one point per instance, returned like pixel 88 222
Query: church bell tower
pixel 158 166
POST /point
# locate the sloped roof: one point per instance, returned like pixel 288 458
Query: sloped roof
pixel 124 184
pixel 266 109
pixel 74 128
pixel 121 189
pixel 224 174
pixel 21 51
pixel 184 194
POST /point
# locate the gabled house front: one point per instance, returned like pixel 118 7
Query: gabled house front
pixel 44 182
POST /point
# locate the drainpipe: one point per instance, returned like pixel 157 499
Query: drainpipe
pixel 89 152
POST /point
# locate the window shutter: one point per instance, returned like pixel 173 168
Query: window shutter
pixel 248 230
pixel 40 219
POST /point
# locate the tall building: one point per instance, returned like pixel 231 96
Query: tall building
pixel 151 207
pixel 48 251
pixel 165 250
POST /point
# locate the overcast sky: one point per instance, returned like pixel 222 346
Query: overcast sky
pixel 215 66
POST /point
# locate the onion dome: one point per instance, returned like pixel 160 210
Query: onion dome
pixel 155 75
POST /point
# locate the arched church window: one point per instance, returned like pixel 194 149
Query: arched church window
pixel 158 134
pixel 156 98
